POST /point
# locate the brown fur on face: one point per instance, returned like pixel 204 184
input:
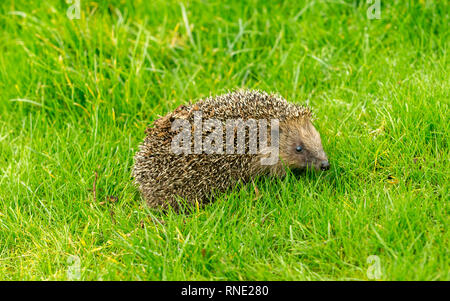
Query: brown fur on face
pixel 300 132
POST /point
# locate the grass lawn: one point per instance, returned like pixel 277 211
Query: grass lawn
pixel 77 94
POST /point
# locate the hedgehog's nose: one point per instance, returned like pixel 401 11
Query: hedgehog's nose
pixel 324 165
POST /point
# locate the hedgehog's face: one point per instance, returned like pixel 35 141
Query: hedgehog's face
pixel 301 146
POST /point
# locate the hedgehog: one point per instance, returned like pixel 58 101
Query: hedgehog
pixel 202 149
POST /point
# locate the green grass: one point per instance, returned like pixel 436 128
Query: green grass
pixel 77 95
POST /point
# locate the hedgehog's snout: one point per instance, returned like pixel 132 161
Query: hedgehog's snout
pixel 324 165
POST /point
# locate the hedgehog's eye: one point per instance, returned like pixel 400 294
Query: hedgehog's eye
pixel 298 148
